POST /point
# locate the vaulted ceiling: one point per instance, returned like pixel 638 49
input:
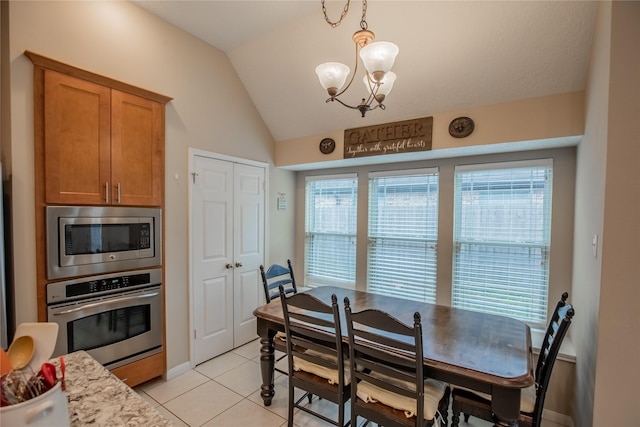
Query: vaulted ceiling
pixel 453 54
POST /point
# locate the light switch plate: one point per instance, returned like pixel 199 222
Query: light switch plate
pixel 282 203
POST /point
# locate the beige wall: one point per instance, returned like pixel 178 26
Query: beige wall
pixel 554 116
pixel 620 287
pixel 210 111
pixel 590 178
pixel 606 289
pixel 281 221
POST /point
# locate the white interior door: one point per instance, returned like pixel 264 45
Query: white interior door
pixel 248 246
pixel 227 235
pixel 212 250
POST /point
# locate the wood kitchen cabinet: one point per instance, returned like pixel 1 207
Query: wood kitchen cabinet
pixel 97 141
pixel 102 145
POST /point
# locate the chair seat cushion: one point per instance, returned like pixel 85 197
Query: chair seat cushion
pixel 329 374
pixel 433 392
pixel 527 398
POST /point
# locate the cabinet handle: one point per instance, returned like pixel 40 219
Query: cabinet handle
pixel 229 265
pixel 238 264
pixel 106 192
pixel 118 190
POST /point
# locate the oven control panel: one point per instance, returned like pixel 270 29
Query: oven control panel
pixel 105 284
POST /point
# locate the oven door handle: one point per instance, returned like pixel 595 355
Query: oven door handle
pixel 110 301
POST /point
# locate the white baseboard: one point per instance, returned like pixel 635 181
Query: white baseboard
pixel 178 370
pixel 557 418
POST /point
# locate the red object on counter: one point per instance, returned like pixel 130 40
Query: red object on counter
pixel 5 364
pixel 48 373
pixel 63 368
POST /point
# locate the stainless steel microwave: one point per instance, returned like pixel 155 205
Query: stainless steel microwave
pixel 84 240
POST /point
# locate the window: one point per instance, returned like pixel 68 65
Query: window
pixel 502 233
pixel 403 234
pixel 330 230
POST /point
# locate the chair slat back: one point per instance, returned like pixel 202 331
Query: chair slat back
pixel 310 324
pixel 380 343
pixel 552 329
pixel 274 277
pixel 556 331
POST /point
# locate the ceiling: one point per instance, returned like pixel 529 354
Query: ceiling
pixel 453 54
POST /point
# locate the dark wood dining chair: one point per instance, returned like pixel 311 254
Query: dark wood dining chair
pixel 389 387
pixel 315 353
pixel 532 398
pixel 274 277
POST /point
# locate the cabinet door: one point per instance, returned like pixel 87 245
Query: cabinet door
pixel 137 150
pixel 77 140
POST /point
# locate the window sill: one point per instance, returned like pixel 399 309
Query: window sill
pixel 567 352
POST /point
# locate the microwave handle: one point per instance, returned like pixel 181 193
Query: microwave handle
pixel 95 304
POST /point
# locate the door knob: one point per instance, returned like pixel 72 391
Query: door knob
pixel 229 265
pixel 238 264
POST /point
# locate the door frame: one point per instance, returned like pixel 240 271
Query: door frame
pixel 193 153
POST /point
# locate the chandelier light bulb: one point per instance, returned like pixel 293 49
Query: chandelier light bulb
pixel 379 56
pixel 332 76
pixel 385 85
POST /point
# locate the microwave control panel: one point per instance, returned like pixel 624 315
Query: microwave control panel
pixel 145 236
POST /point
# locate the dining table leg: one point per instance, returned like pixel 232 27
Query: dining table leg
pixel 267 362
pixel 505 404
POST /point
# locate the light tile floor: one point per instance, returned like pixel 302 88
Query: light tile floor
pixel 225 391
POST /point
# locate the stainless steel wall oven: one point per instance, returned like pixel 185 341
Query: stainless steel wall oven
pixel 115 317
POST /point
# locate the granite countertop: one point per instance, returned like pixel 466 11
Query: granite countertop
pixel 97 397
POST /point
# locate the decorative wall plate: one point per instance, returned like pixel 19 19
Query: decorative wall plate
pixel 461 127
pixel 327 145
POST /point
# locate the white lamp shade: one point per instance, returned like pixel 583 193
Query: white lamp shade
pixel 379 56
pixel 386 84
pixel 332 74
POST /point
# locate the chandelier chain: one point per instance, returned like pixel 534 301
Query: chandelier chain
pixel 363 20
pixel 339 21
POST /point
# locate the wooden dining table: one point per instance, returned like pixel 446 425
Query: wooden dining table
pixel 483 352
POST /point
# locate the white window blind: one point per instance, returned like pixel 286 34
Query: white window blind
pixel 330 227
pixel 403 234
pixel 502 233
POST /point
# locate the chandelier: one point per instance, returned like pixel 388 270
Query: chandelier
pixel 377 58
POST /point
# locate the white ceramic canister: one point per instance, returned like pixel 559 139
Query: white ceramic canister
pixel 47 410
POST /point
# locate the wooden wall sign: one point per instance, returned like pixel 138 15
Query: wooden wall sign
pixel 391 138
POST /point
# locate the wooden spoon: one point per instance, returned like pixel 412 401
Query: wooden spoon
pixel 21 351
